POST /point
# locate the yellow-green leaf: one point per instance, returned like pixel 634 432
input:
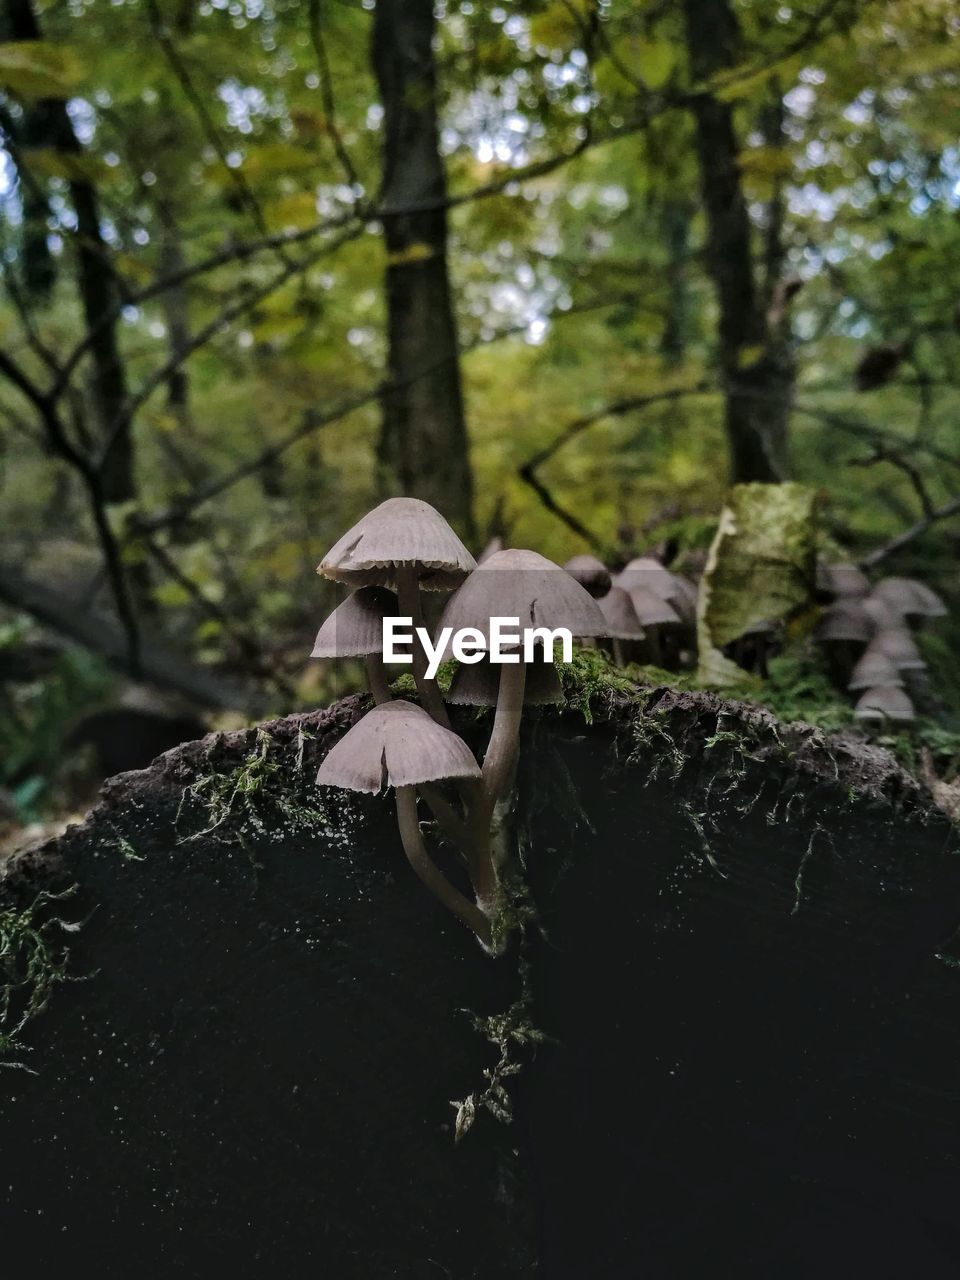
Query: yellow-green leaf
pixel 35 69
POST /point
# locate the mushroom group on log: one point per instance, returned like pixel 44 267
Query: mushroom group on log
pixel 752 1057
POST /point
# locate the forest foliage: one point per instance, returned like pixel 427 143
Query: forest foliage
pixel 662 226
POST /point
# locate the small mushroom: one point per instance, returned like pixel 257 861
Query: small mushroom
pixel 399 745
pixel 649 574
pixel 655 614
pixel 592 574
pixel 910 598
pixel 684 599
pixel 622 621
pixel 355 630
pixel 844 580
pixel 407 544
pixel 898 645
pixel 874 669
pixel 882 614
pixel 846 620
pixel 885 702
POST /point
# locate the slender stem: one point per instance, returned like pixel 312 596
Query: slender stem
pixel 465 910
pixel 377 678
pixel 408 599
pixel 499 765
pixel 618 652
pixel 446 815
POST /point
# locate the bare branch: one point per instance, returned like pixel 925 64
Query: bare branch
pixel 949 509
pixel 328 100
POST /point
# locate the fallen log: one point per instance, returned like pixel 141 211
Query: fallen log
pixel 744 974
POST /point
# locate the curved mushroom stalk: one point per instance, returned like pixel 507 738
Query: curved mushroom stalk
pixel 465 910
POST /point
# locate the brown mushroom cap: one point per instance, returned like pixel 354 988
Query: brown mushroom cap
pixel 909 597
pixel 401 531
pixel 649 574
pixel 846 619
pixel 478 684
pixel 622 621
pixel 592 574
pixel 886 702
pixel 844 580
pixel 397 744
pixel 873 669
pixel 524 585
pixel 898 645
pixel 651 608
pixel 355 628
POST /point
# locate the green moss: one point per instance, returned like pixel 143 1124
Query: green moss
pixel 799 688
pixel 591 682
pixel 33 961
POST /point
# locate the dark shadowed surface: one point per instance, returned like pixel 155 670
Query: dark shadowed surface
pixel 758 1067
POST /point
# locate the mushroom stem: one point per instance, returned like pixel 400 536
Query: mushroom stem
pixel 618 652
pixel 446 815
pixel 408 598
pixel 465 910
pixel 499 765
pixel 377 678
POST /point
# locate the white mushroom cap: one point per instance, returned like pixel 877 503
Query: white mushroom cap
pixel 527 586
pixel 910 597
pixel 592 574
pixel 622 621
pixel 652 609
pixel 401 531
pixel 873 669
pixel 478 684
pixel 898 645
pixel 397 744
pixel 882 613
pixel 847 619
pixel 844 580
pixel 355 628
pixel 649 574
pixel 884 703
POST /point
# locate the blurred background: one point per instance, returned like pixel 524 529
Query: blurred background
pixel 565 268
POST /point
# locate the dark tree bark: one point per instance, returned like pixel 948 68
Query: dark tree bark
pixel 97 285
pixel 756 367
pixel 423 446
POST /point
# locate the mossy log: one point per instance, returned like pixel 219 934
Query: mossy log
pixel 744 968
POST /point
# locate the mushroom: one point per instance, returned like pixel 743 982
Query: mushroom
pixel 885 702
pixel 649 574
pixel 654 613
pixel 592 574
pixel 911 598
pixel 898 645
pixel 355 630
pixel 406 544
pixel 622 621
pixel 844 580
pixel 684 599
pixel 882 614
pixel 847 620
pixel 523 585
pixel 874 669
pixel 399 745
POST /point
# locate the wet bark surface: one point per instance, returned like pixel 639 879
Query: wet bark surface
pixel 755 1066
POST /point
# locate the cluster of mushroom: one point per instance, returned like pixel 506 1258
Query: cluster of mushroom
pixel 398 551
pixel 651 613
pixel 867 637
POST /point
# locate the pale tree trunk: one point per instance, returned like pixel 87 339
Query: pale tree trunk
pixel 757 371
pixel 423 447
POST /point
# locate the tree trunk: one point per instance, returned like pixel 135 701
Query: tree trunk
pixel 97 284
pixel 423 443
pixel 758 378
